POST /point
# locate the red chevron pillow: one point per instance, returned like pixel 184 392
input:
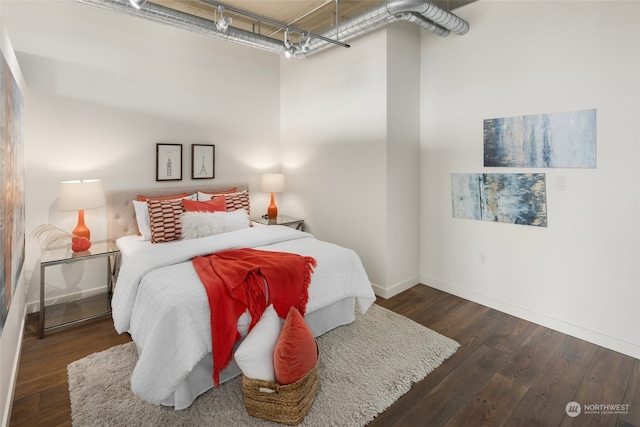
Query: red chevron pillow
pixel 164 219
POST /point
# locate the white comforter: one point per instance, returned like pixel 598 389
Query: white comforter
pixel 161 302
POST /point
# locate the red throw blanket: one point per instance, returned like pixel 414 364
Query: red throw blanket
pixel 235 280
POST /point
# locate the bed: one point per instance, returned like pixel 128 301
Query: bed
pixel 160 301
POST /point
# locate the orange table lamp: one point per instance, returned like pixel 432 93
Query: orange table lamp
pixel 78 196
pixel 272 183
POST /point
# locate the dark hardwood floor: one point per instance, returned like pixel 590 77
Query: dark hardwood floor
pixel 507 372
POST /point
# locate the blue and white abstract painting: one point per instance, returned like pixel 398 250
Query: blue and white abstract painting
pixel 558 140
pixel 517 198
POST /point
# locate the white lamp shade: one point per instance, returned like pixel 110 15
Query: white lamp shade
pixel 272 183
pixel 79 195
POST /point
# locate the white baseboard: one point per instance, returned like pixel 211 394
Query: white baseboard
pixel 8 404
pixel 595 337
pixel 395 289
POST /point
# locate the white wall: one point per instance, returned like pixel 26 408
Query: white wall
pixel 579 275
pixel 11 338
pixel 106 88
pixel 403 158
pixel 334 137
pixel 350 150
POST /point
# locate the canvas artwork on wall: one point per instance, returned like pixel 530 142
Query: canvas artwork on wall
pixel 12 183
pixel 517 198
pixel 558 140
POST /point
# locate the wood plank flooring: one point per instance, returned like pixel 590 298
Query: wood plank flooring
pixel 507 372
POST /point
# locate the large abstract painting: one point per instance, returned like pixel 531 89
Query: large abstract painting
pixel 559 140
pixel 12 184
pixel 517 198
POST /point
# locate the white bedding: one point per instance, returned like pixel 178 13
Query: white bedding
pixel 161 302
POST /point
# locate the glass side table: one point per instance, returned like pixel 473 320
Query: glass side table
pixel 298 224
pixel 64 255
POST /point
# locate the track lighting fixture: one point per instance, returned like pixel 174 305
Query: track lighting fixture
pixel 223 22
pixel 137 3
pixel 290 52
pixel 307 43
pixel 287 39
pixel 424 13
pixel 290 49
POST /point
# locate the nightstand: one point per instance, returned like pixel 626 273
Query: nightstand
pixel 298 224
pixel 85 308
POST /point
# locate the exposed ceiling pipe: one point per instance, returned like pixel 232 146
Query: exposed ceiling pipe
pixel 185 21
pixel 422 22
pixel 419 12
pixel 432 12
pixel 433 18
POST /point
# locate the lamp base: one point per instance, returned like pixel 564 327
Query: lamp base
pixel 272 210
pixel 81 240
pixel 81 229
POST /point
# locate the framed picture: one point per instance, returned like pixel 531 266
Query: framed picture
pixel 202 161
pixel 168 162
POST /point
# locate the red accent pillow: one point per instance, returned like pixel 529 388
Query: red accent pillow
pixel 216 204
pixel 238 201
pixel 141 198
pixel 295 353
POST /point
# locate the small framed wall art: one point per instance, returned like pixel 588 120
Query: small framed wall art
pixel 168 162
pixel 203 161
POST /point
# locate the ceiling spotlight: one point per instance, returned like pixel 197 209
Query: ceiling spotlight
pixel 287 42
pixel 137 3
pixel 290 49
pixel 290 52
pixel 307 43
pixel 223 22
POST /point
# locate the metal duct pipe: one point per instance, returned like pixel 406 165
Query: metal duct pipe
pixel 420 12
pixel 422 22
pixel 177 19
pixel 435 19
pixel 440 16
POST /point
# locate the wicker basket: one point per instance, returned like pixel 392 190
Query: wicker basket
pixel 286 404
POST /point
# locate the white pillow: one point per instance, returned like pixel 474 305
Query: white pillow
pixel 142 216
pixel 254 356
pixel 202 224
pixel 204 197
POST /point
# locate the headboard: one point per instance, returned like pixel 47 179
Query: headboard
pixel 121 216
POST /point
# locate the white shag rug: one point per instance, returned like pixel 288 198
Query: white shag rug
pixel 364 368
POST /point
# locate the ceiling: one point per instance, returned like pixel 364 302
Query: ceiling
pixel 314 16
pixel 294 28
